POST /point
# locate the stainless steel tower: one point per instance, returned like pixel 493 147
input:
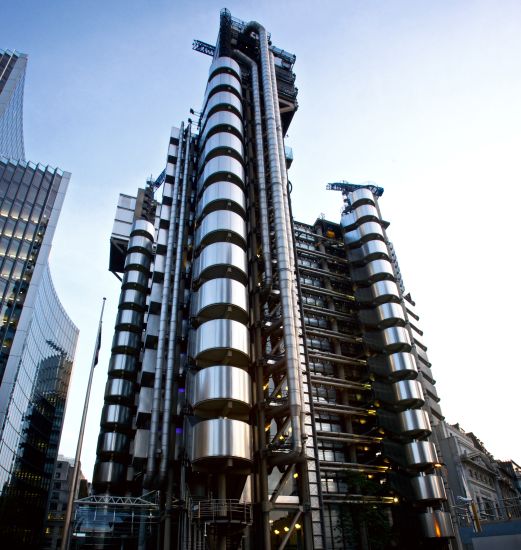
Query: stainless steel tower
pixel 264 386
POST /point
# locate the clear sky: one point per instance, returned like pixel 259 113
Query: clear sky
pixel 423 98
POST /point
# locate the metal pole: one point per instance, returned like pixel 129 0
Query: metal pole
pixel 76 471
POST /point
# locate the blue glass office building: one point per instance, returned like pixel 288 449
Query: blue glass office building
pixel 37 338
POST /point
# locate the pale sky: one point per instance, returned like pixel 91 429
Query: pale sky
pixel 422 98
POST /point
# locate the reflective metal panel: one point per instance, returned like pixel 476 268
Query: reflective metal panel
pixel 360 196
pixel 222 195
pixel 398 365
pixel 384 291
pixel 119 390
pixel 390 313
pixel 364 232
pixel 221 225
pixel 113 443
pixel 135 279
pixel 222 142
pixel 361 214
pixel 376 270
pixel 124 340
pixel 370 250
pixel 396 339
pixel 221 100
pixel 221 438
pixel 221 259
pixel 122 364
pixel 225 64
pixel 408 393
pixel 428 487
pixel 222 168
pixel 420 454
pixel 223 79
pixel 139 243
pixel 109 472
pixel 116 415
pixel 414 423
pixel 129 319
pixel 227 121
pixel 221 298
pixel 436 524
pixel 137 260
pixel 143 227
pixel 133 299
pixel 221 391
pixel 221 341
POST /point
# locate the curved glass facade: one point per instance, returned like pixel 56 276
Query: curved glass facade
pixel 12 76
pixel 33 420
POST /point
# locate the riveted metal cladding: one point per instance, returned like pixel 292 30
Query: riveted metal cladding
pixel 221 225
pixel 222 168
pixel 221 298
pixel 137 260
pixel 129 319
pixel 376 270
pixel 126 341
pixel 222 195
pixel 113 444
pixel 221 259
pixel 436 524
pixel 119 390
pixel 428 487
pixel 221 101
pixel 223 121
pixel 134 279
pixel 221 341
pixel 365 232
pixel 371 250
pixel 360 196
pixel 221 143
pixel 221 438
pixel 132 299
pixel 361 214
pixel 225 65
pixel 378 293
pixel 115 416
pixel 414 423
pixel 111 473
pixel 221 390
pixel 140 243
pixel 122 365
pixel 420 454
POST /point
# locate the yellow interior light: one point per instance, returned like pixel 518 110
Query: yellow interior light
pixel 286 528
pixel 396 499
pixel 298 526
pixel 277 532
pixel 295 475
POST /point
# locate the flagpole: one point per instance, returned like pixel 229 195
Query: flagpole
pixel 70 503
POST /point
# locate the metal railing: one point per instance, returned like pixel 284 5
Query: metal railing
pixel 470 513
pixel 220 511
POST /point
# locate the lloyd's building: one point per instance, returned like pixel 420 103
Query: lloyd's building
pixel 268 386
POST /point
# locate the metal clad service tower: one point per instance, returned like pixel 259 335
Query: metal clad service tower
pixel 267 385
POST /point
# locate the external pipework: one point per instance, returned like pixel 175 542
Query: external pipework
pixel 289 225
pixel 261 174
pixel 158 378
pixel 172 336
pixel 284 263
